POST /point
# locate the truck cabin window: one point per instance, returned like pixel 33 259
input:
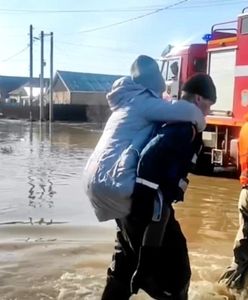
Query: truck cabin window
pixel 244 25
pixel 200 65
pixel 171 70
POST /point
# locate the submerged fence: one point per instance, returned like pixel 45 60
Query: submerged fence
pixel 61 112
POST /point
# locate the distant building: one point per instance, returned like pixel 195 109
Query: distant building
pixel 76 96
pixel 17 88
pixel 21 95
pixel 82 88
pixel 81 96
pixel 8 84
pixel 14 97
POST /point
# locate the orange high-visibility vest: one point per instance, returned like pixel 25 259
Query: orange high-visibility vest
pixel 243 152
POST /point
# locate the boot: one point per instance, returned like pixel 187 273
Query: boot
pixel 115 289
pixel 183 295
pixel 143 277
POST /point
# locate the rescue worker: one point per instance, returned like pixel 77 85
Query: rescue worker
pixel 137 108
pixel 236 273
pixel 151 251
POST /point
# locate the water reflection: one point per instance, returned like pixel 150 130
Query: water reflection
pixel 40 193
pixel 42 178
pixel 42 174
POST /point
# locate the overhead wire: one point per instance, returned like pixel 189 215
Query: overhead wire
pixel 114 10
pixel 108 48
pixel 176 5
pixel 16 54
pixel 208 4
pixel 134 18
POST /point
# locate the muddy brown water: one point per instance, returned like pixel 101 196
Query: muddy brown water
pixel 52 245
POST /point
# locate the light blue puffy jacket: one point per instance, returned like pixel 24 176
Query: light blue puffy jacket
pixel 111 170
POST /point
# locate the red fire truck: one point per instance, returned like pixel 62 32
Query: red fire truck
pixel 225 58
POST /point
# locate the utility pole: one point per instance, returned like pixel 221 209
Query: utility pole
pixel 51 79
pixel 31 72
pixel 42 76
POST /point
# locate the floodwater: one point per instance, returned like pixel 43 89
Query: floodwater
pixel 52 246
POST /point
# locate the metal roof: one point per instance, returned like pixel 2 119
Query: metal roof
pixel 9 83
pixel 12 83
pixel 87 82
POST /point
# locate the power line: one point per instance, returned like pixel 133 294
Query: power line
pixel 135 18
pixel 114 10
pixel 25 11
pixel 207 4
pixel 212 2
pixel 172 6
pixel 107 48
pixel 133 9
pixel 16 54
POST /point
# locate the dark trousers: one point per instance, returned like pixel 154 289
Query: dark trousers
pixel 236 275
pixel 172 262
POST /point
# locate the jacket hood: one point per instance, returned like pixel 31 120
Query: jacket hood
pixel 123 90
pixel 145 71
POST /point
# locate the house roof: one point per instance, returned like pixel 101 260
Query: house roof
pixel 12 80
pixel 25 91
pixel 36 82
pixel 87 82
pixel 8 84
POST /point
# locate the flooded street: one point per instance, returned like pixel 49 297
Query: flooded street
pixel 41 172
pixel 52 246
